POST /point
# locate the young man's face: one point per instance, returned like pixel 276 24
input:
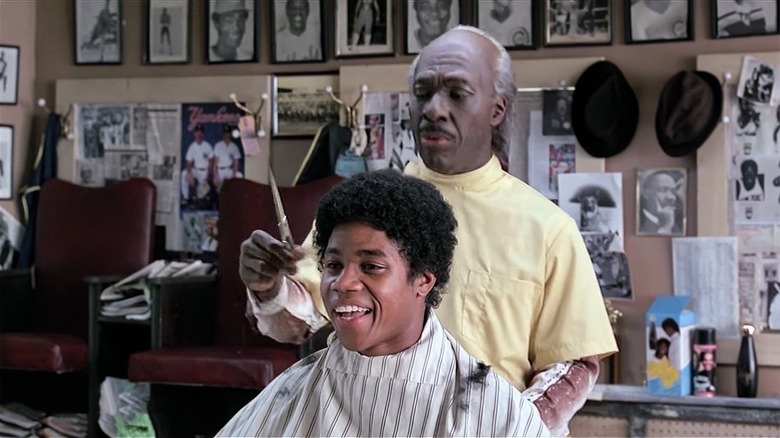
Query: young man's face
pixel 433 16
pixel 231 27
pixel 297 13
pixel 375 308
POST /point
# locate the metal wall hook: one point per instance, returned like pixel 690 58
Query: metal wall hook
pixel 352 110
pixel 66 124
pixel 257 114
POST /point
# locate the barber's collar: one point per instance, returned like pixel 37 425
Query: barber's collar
pixel 474 180
pixel 653 218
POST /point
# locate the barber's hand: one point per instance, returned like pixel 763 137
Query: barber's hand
pixel 264 261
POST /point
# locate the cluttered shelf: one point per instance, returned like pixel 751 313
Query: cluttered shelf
pixel 642 411
pixel 639 394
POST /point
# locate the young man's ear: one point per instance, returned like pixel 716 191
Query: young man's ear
pixel 499 111
pixel 424 283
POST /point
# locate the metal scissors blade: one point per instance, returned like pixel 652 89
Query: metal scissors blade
pixel 281 216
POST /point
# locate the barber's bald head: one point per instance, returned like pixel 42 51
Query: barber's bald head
pixel 461 85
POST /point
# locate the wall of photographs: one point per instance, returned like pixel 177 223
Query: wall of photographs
pixel 559 35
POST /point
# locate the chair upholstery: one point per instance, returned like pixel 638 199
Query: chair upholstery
pixel 81 231
pixel 239 358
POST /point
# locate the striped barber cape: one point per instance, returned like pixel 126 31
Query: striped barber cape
pixel 432 389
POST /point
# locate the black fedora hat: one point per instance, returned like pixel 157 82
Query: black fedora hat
pixel 689 109
pixel 605 111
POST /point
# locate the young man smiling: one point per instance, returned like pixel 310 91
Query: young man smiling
pixel 385 243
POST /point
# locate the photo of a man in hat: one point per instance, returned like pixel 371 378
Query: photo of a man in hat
pixel 227 158
pixel 231 31
pixel 197 162
pixel 661 206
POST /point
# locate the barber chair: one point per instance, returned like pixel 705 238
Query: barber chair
pixel 104 233
pixel 195 390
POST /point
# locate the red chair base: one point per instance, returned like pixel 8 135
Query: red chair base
pixel 237 367
pixel 47 352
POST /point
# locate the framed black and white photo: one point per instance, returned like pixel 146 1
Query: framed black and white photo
pixel 9 75
pixel 741 18
pixel 655 21
pixel 510 22
pixel 364 28
pixel 757 82
pixel 301 106
pixel 6 161
pixel 98 31
pixel 660 202
pixel 425 20
pixel 577 22
pixel 167 31
pixel 298 31
pixel 232 31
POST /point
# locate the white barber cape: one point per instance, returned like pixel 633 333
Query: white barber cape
pixel 432 389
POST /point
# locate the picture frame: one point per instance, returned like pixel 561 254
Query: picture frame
pixel 97 36
pixel 221 18
pixel 661 202
pixel 168 28
pixel 512 24
pixel 646 23
pixel 449 12
pixel 298 31
pixel 6 161
pixel 301 106
pixel 9 74
pixel 731 20
pixel 565 24
pixel 364 28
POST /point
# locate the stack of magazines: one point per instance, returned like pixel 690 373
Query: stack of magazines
pixel 18 420
pixel 130 298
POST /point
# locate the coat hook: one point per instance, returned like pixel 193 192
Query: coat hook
pixel 359 137
pixel 257 115
pixel 726 78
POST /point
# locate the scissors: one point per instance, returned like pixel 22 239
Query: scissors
pixel 281 216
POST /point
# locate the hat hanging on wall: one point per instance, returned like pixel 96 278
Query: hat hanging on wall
pixel 689 108
pixel 605 111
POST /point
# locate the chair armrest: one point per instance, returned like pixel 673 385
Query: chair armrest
pixel 16 300
pixel 183 310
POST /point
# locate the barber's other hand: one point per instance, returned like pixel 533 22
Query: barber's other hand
pixel 264 261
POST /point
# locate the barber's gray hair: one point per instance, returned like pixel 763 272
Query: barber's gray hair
pixel 504 86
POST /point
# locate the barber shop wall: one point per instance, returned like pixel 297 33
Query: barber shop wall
pixel 17 28
pixel 646 66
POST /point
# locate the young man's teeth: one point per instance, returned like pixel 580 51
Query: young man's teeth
pixel 345 309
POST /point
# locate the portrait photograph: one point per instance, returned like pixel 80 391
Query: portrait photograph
pixel 577 22
pixel 655 21
pixel 167 31
pixel 661 203
pixel 427 19
pixel 556 112
pixel 98 31
pixel 232 28
pixel 757 82
pixel 6 160
pixel 301 106
pixel 741 18
pixel 511 22
pixel 364 28
pixel 298 31
pixel 9 75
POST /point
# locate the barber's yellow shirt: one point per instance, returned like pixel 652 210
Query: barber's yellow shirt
pixel 522 289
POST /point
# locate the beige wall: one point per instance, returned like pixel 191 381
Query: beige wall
pixel 17 28
pixel 647 67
